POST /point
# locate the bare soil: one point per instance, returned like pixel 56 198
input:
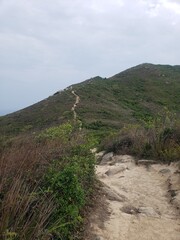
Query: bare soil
pixel 138 201
pixel 77 100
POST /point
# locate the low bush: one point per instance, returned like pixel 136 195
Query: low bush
pixel 70 182
pixel 158 138
pixel 45 183
pixel 95 125
pixel 62 132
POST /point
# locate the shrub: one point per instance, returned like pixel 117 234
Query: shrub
pixel 45 184
pixel 95 125
pixel 121 145
pixel 70 185
pixel 69 196
pixel 62 132
pixel 157 138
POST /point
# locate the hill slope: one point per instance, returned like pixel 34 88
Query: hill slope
pixel 132 95
pixel 137 93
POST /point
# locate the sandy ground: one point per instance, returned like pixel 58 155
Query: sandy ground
pixel 142 201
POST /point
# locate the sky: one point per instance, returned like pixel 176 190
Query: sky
pixel 48 45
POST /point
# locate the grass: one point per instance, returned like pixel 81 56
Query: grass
pixel 47 169
pixel 52 111
pixel 21 208
pixel 128 97
pixel 158 138
pixel 35 202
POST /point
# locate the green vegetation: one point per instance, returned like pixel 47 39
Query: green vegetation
pixel 46 180
pixel 62 132
pixel 52 111
pixel 47 168
pixel 126 98
pixel 157 138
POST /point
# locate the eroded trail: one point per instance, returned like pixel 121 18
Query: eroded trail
pixel 139 202
pixel 75 104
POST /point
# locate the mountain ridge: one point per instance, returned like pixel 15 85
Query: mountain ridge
pixel 137 93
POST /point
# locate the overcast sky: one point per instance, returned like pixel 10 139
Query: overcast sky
pixel 48 45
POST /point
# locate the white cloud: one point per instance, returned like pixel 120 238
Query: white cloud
pixel 56 43
pixel 103 6
pixel 174 6
pixel 154 7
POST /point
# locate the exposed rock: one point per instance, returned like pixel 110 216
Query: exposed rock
pixel 115 170
pixel 142 204
pixel 172 194
pixel 123 158
pixel 106 158
pixel 175 182
pixel 130 210
pixel 165 170
pixel 176 200
pixel 147 162
pixel 112 163
pixel 148 211
pixel 99 155
pixel 174 189
pixel 98 238
pixel 113 196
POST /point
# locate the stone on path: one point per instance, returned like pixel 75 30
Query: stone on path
pixel 113 196
pixel 106 158
pixel 146 162
pixel 148 211
pixel 115 170
pixel 164 171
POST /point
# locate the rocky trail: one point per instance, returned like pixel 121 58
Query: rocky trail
pixel 143 200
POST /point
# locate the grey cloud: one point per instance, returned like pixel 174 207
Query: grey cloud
pixel 49 45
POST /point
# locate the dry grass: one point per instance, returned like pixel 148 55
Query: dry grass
pixel 25 210
pixel 158 143
pixel 35 202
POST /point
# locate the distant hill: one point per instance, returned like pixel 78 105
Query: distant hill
pixel 138 93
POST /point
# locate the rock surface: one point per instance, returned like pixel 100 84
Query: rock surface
pixel 113 171
pixel 106 158
pixel 148 211
pixel 143 201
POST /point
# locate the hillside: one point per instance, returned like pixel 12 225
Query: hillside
pixel 128 97
pixel 135 94
pixel 49 154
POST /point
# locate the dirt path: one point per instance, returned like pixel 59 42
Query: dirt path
pixel 73 109
pixel 138 199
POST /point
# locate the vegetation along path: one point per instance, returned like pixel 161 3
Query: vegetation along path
pixel 143 200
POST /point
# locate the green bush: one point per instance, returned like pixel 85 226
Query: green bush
pixel 46 184
pixel 94 125
pixel 69 197
pixel 156 138
pixel 62 132
pixel 69 180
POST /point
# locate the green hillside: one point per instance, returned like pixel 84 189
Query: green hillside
pixel 47 164
pixel 138 93
pixel 128 97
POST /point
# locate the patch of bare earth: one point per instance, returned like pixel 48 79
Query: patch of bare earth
pixel 96 211
pixel 138 201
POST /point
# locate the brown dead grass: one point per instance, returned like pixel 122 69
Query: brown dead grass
pixel 24 211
